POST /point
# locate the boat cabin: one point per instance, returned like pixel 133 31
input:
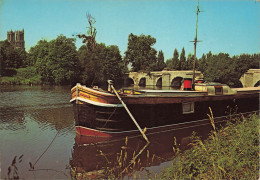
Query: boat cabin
pixel 215 88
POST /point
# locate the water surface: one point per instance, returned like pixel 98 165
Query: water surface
pixel 37 122
pixel 30 118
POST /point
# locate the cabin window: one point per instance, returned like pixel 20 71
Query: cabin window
pixel 218 90
pixel 188 108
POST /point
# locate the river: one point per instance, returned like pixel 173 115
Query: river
pixel 37 127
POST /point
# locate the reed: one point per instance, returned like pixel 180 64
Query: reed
pixel 13 172
pixel 230 152
pixel 128 163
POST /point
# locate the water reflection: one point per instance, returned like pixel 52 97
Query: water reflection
pixel 91 158
pixel 11 119
pixel 30 117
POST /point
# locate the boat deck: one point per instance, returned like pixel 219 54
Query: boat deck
pixel 247 90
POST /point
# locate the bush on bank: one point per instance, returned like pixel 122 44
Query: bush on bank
pixel 231 152
pixel 23 76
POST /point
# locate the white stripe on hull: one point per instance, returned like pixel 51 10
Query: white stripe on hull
pixel 96 103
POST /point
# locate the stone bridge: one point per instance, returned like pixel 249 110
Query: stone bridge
pixel 159 78
pixel 251 78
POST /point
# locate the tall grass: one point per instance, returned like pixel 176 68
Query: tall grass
pixel 231 152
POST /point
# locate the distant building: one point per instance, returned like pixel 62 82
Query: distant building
pixel 16 38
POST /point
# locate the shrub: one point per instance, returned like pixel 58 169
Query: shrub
pixel 232 152
pixel 25 76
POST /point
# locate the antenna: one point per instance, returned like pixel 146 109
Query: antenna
pixel 195 46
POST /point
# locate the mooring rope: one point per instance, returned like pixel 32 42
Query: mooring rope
pixel 32 166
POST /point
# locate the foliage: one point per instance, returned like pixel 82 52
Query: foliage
pixel 160 64
pixel 57 60
pixel 100 64
pixel 175 60
pixel 182 62
pixel 221 69
pixel 224 69
pixel 231 152
pixel 190 61
pixel 26 76
pixel 90 37
pixel 10 57
pixel 202 63
pixel 140 52
pixel 38 51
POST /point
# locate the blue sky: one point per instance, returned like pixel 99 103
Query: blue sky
pixel 230 26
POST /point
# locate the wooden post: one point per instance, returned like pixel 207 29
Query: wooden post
pixel 127 110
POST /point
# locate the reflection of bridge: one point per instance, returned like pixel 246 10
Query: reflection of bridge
pixel 251 78
pixel 159 78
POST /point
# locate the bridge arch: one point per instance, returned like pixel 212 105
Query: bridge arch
pixel 129 81
pixel 176 82
pixel 159 82
pixel 142 82
pixel 257 84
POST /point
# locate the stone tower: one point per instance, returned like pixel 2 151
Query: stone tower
pixel 11 37
pixel 16 39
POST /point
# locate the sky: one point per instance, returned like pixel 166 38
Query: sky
pixel 229 26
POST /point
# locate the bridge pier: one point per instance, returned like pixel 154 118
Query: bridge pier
pixel 251 78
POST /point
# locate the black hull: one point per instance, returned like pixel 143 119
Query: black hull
pixel 116 119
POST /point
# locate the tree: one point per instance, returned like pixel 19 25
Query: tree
pixel 59 62
pixel 113 65
pixel 90 37
pixel 160 61
pixel 182 63
pixel 175 60
pixel 221 68
pixel 11 58
pixel 202 63
pixel 224 69
pixel 169 64
pixel 22 57
pixel 140 52
pixel 100 64
pixel 189 63
pixel 39 51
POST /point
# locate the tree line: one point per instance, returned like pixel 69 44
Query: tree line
pixel 59 62
pixel 216 67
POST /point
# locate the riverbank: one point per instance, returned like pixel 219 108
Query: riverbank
pixel 23 76
pixel 231 152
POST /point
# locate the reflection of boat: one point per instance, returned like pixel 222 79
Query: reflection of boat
pixel 95 156
pixel 100 113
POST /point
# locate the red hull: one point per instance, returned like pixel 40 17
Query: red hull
pixel 84 131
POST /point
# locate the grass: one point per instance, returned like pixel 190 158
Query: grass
pixel 231 152
pixel 24 76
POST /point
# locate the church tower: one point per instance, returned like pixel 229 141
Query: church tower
pixel 11 37
pixel 16 39
pixel 19 39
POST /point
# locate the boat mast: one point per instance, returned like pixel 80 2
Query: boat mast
pixel 195 46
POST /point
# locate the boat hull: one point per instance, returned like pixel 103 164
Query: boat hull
pixel 108 118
